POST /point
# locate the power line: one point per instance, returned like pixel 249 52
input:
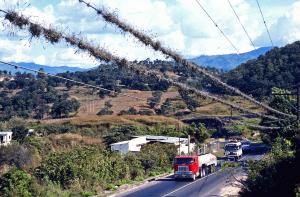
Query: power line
pixel 238 18
pixel 261 13
pixel 212 20
pixel 104 55
pixel 101 54
pixel 178 84
pixel 66 79
pixel 157 46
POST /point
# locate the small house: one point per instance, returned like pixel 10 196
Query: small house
pixel 5 138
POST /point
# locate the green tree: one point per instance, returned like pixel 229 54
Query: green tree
pixel 64 108
pixel 19 133
pixel 16 183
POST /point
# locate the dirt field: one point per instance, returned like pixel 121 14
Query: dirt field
pixel 91 103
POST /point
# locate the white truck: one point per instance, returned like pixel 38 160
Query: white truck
pixel 233 150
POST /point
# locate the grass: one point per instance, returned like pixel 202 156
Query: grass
pixel 117 120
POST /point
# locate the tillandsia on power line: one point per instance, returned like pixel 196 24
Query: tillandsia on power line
pixel 54 36
pixel 156 45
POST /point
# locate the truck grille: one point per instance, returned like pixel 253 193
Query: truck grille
pixel 183 168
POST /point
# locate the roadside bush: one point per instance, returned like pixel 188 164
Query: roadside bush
pixel 16 183
pixel 136 171
pixel 157 157
pixel 90 167
pixel 275 175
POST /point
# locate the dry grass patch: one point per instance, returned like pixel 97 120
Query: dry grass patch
pixel 73 139
pixel 116 120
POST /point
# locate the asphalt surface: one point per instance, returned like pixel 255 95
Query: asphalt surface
pixel 251 157
pixel 206 186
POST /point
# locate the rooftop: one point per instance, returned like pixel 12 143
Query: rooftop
pixel 163 139
pixel 2 133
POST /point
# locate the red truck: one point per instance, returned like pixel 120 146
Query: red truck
pixel 191 167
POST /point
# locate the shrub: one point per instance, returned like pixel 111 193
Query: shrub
pixel 16 183
pixel 15 155
pixel 105 111
pixel 157 157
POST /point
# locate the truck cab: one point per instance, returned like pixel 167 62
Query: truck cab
pixel 233 150
pixel 190 167
pixel 186 167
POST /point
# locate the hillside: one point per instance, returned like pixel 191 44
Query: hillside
pixel 229 61
pixel 279 67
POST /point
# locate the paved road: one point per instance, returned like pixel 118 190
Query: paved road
pixel 207 186
pixel 251 157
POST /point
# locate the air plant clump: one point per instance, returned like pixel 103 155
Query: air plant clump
pixel 35 30
pixel 52 35
pixel 148 41
pixel 72 40
pixel 14 18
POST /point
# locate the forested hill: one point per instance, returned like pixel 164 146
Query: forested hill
pixel 279 67
pixel 229 61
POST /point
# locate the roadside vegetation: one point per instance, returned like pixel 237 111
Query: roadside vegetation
pixel 72 157
pixel 277 174
pixel 72 160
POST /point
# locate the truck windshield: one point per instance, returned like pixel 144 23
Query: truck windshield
pixel 231 148
pixel 184 160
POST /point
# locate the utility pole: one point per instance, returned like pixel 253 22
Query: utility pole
pixel 189 140
pixel 178 128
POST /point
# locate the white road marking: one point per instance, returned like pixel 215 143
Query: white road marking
pixel 189 184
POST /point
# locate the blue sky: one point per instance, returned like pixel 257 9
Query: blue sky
pixel 178 24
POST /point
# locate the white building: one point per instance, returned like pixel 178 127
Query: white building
pixel 5 138
pixel 135 144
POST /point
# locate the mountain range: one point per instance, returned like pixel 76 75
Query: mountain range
pixel 48 69
pixel 222 62
pixel 229 61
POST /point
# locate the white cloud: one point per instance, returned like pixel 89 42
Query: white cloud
pixel 286 29
pixel 180 25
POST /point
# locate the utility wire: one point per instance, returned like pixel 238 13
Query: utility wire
pixel 66 79
pixel 101 54
pixel 261 13
pixel 100 88
pixel 157 46
pixel 238 18
pixel 217 26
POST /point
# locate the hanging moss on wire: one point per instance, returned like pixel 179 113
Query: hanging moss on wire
pixel 157 46
pixel 14 18
pixel 54 36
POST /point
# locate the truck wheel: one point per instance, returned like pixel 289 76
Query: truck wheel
pixel 194 177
